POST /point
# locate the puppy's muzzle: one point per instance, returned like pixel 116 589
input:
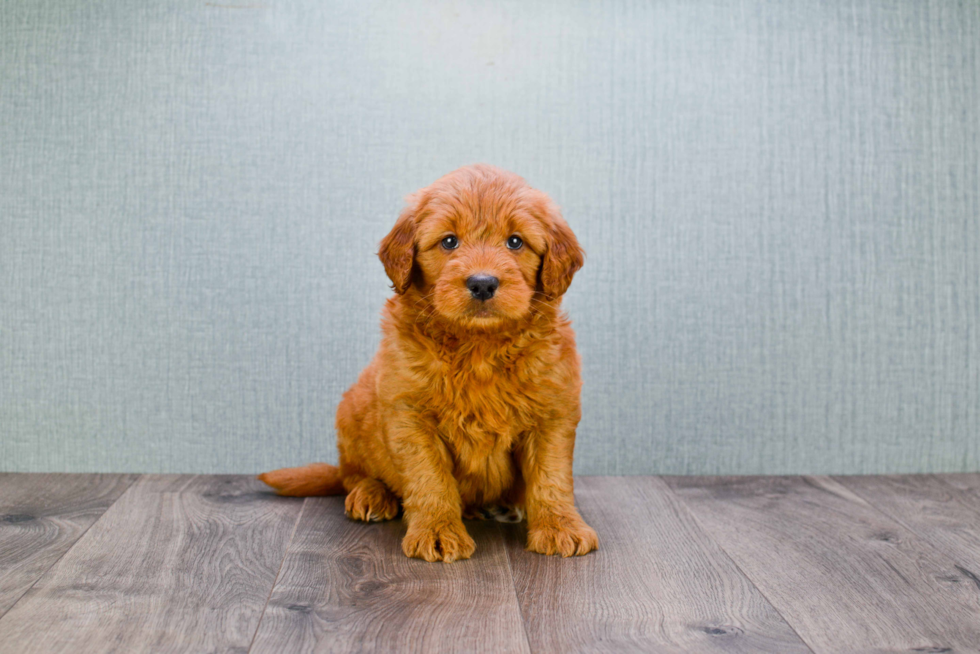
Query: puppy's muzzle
pixel 482 287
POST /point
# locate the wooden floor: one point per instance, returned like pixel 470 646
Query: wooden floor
pixel 128 563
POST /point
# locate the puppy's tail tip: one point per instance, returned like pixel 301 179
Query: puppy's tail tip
pixel 311 480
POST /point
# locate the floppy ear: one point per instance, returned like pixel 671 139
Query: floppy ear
pixel 397 250
pixel 564 256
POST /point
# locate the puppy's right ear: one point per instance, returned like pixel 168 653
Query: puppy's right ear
pixel 397 249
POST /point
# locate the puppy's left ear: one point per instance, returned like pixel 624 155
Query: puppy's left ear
pixel 397 249
pixel 564 257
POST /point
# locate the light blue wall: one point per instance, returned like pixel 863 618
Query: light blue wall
pixel 780 202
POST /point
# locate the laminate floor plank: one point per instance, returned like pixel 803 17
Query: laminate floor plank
pixel 937 511
pixel 41 517
pixel 846 576
pixel 967 483
pixel 657 583
pixel 345 586
pixel 177 564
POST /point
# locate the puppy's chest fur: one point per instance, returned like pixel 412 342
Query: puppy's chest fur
pixel 483 398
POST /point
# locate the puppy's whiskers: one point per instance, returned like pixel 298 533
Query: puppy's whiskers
pixel 423 298
pixel 424 314
pixel 427 315
pixel 539 306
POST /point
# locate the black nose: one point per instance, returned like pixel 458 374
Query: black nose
pixel 482 287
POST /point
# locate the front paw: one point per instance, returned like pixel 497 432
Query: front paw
pixel 439 541
pixel 565 536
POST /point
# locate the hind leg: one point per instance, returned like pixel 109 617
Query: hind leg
pixel 371 501
pixel 498 512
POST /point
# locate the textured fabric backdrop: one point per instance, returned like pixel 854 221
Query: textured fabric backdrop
pixel 779 201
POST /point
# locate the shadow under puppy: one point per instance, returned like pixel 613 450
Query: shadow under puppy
pixel 472 401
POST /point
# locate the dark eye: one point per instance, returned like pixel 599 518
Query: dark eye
pixel 450 243
pixel 514 243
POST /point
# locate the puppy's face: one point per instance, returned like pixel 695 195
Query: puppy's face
pixel 478 244
pixel 480 267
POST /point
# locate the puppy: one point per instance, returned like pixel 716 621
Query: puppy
pixel 470 405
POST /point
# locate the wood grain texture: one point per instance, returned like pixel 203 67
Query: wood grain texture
pixel 346 587
pixel 41 516
pixel 181 563
pixel 177 564
pixel 847 577
pixel 967 483
pixel 937 511
pixel 657 582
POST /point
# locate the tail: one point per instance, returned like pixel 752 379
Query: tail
pixel 306 481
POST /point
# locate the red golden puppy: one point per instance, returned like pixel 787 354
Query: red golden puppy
pixel 471 403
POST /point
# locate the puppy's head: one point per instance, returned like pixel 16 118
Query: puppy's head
pixel 479 244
